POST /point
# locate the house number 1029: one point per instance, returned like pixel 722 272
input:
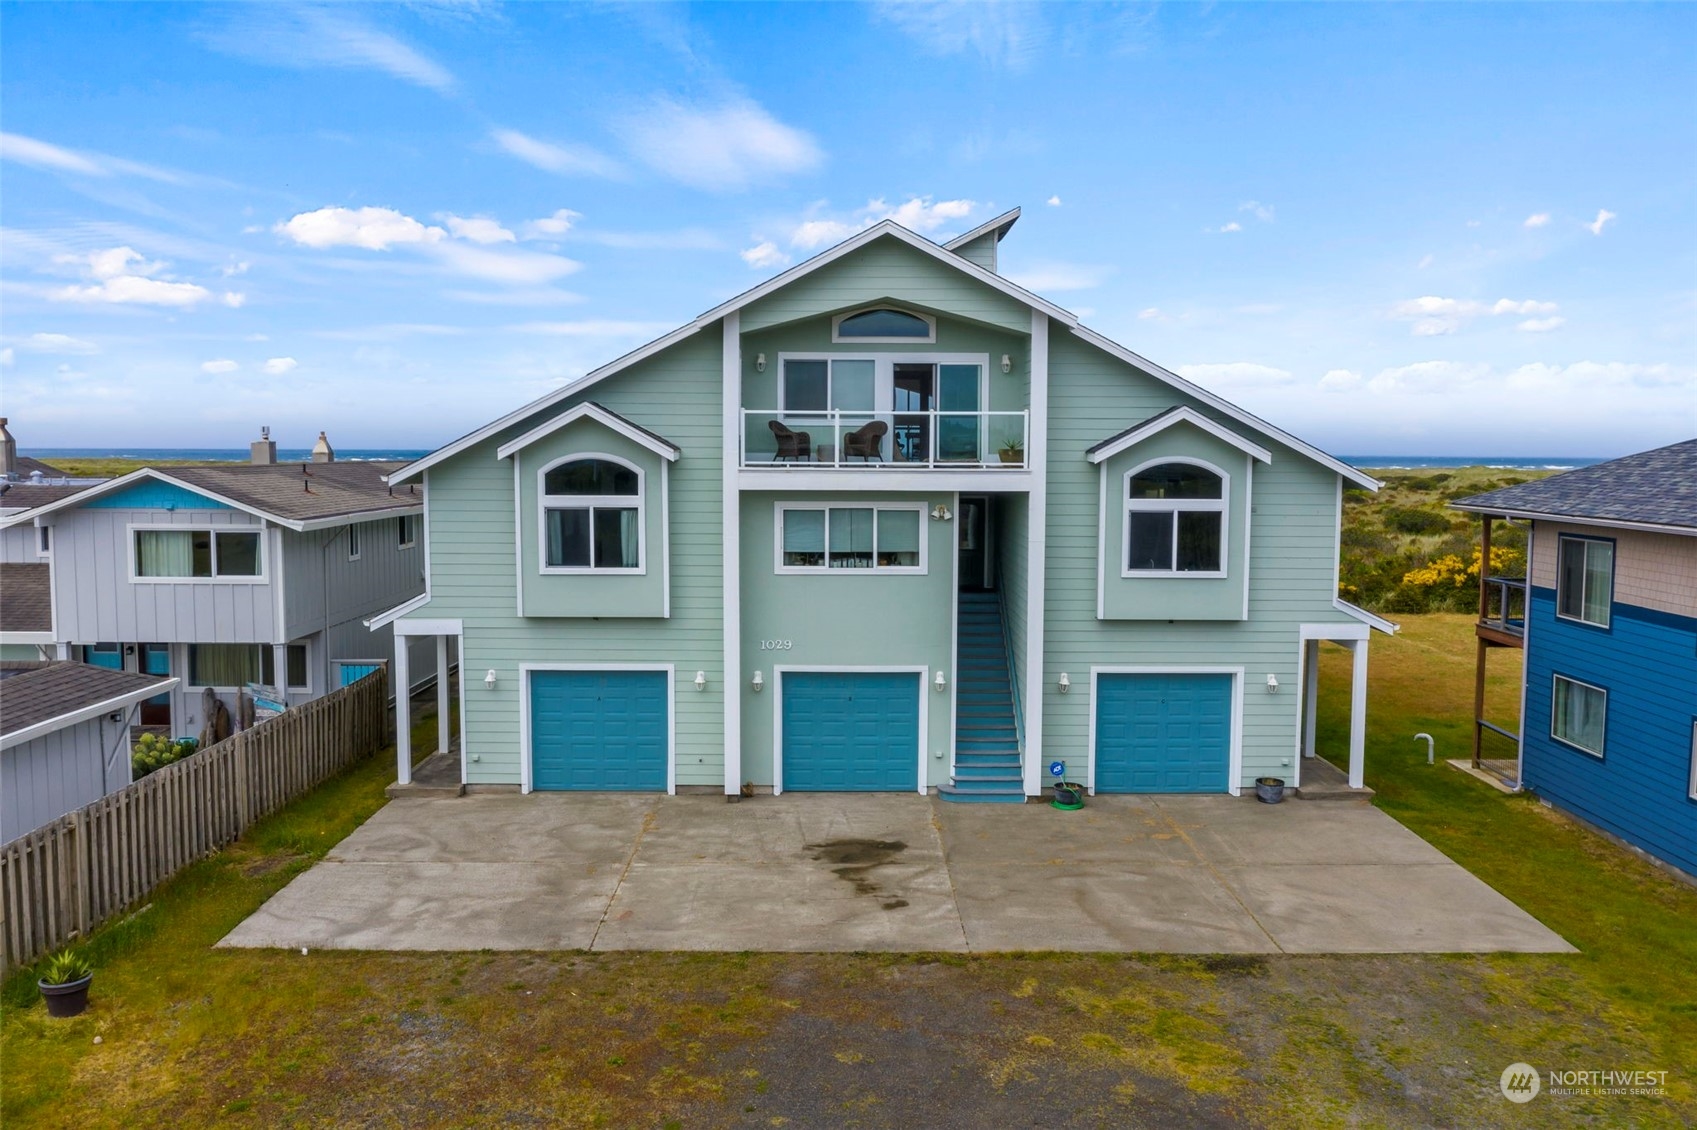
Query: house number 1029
pixel 776 645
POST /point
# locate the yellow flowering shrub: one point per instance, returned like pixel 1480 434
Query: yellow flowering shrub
pixel 1450 570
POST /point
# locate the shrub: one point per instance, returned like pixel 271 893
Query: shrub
pixel 1356 494
pixel 152 752
pixel 1412 520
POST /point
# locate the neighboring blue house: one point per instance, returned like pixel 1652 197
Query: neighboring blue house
pixel 1609 710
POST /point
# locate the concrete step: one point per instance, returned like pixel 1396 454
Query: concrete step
pixel 949 793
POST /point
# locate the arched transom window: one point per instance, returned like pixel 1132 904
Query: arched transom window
pixel 592 515
pixel 1175 519
pixel 883 323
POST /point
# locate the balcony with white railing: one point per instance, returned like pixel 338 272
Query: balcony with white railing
pixel 882 441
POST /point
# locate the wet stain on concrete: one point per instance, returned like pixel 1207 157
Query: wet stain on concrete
pixel 854 860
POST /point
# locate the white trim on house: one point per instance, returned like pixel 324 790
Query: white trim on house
pixel 600 415
pixel 1182 414
pixel 1568 519
pixel 591 502
pixel 395 613
pixel 1377 623
pixel 930 321
pixel 527 752
pixel 86 713
pixel 263 577
pixel 1035 686
pixel 1308 638
pixel 35 638
pixel 983 480
pixel 1114 349
pixel 1234 767
pixel 1558 677
pixel 1173 506
pixel 999 224
pixel 779 509
pixel 401 539
pixel 778 672
pixel 730 541
pixel 443 627
pixel 954 632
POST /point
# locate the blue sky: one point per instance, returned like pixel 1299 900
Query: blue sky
pixel 1390 229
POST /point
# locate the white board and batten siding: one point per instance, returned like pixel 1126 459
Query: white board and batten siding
pixel 474 571
pixel 328 596
pixel 57 773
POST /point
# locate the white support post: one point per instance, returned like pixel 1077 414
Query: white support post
pixel 443 738
pixel 730 502
pixel 1358 715
pixel 403 713
pixel 1310 693
pixel 1036 547
pixel 280 669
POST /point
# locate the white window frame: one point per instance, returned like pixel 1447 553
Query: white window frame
pixel 778 566
pixel 838 319
pixel 262 648
pixel 354 542
pixel 1562 541
pixel 406 531
pixel 1220 506
pixel 1691 789
pixel 260 578
pixel 883 381
pixel 546 502
pixel 1556 677
pixel 44 541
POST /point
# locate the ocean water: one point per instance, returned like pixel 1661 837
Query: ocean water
pixel 220 454
pixel 1497 462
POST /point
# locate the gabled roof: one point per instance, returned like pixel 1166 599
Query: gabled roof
pixel 26 597
pixel 300 496
pixel 634 432
pixel 30 496
pixel 40 698
pixel 1653 490
pixel 1001 225
pixel 29 465
pixel 1161 421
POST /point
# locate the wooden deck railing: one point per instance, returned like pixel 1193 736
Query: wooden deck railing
pixel 65 878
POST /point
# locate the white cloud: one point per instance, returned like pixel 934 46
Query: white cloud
pixel 817 233
pixel 1053 201
pixel 1541 325
pixel 1434 316
pixel 1262 212
pixel 682 239
pixel 1425 261
pixel 134 290
pixel 1603 217
pixel 277 366
pixel 318 37
pixel 1008 34
pixel 231 270
pixel 58 343
pixel 918 213
pixel 478 229
pixel 234 299
pixel 722 148
pixel 1338 380
pixel 532 296
pixel 7 357
pixel 523 267
pixel 594 327
pixel 556 225
pixel 1235 373
pixel 763 255
pixel 567 160
pixel 1537 220
pixel 219 365
pixel 45 155
pixel 375 229
pixel 1151 314
pixel 1224 228
pixel 1061 276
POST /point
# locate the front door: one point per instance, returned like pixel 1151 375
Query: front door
pixel 155 659
pixel 975 574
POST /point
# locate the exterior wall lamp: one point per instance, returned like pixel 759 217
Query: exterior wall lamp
pixel 940 513
pixel 1007 363
pixel 489 680
pixel 939 682
pixel 1064 683
pixel 701 680
pixel 1272 684
pixel 758 682
pixel 760 362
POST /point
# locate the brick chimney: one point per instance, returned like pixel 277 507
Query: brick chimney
pixel 262 452
pixel 8 451
pixel 321 451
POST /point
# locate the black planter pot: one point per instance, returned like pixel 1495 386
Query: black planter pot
pixel 1269 790
pixel 1069 795
pixel 66 1000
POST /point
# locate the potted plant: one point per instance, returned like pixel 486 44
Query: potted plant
pixel 1068 796
pixel 1013 451
pixel 64 983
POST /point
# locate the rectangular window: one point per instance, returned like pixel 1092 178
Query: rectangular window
pixel 407 530
pixel 1585 580
pixel 1175 520
pixel 44 540
pixel 198 554
pixel 353 543
pixel 593 537
pixel 841 384
pixel 851 537
pixel 237 664
pixel 1577 714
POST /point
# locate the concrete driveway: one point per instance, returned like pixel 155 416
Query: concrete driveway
pixel 886 872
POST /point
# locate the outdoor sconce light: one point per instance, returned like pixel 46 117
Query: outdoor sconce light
pixel 1064 684
pixel 1272 684
pixel 701 680
pixel 939 682
pixel 1007 363
pixel 758 682
pixel 760 362
pixel 489 680
pixel 940 513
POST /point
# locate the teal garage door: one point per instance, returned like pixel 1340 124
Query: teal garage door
pixel 1163 733
pixel 602 730
pixel 854 732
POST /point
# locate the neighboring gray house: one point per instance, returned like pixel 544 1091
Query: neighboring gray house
pixel 218 574
pixel 64 738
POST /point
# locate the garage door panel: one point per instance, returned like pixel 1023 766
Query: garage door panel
pixel 850 732
pixel 1163 733
pixel 599 730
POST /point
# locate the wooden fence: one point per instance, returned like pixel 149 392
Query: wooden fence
pixel 62 880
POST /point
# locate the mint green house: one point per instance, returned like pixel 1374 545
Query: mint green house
pixel 888 522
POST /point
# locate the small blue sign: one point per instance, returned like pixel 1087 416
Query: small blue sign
pixel 1057 768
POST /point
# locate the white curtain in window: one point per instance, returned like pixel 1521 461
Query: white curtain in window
pixel 223 664
pixel 1599 571
pixel 628 541
pixel 1580 712
pixel 164 553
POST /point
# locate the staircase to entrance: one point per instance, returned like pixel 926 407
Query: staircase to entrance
pixel 987 758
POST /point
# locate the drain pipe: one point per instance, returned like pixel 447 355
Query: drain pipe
pixel 1430 747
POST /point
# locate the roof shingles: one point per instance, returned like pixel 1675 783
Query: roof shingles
pixel 1651 488
pixel 33 693
pixel 26 597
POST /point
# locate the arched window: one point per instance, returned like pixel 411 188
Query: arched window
pixel 883 324
pixel 592 515
pixel 1175 519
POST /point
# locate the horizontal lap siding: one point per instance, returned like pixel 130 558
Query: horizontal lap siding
pixel 473 570
pixel 1293 531
pixel 1013 576
pixel 1639 789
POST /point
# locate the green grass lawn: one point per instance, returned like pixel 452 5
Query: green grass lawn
pixel 193 1036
